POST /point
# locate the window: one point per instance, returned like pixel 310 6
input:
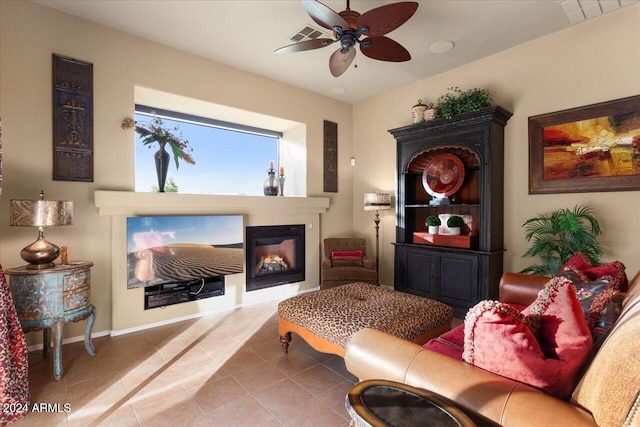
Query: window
pixel 231 159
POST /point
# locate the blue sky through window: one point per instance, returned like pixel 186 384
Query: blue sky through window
pixel 227 162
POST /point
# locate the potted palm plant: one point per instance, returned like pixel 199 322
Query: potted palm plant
pixel 455 224
pixel 155 132
pixel 557 236
pixel 433 223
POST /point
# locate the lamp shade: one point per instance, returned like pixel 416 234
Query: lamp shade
pixel 377 201
pixel 41 213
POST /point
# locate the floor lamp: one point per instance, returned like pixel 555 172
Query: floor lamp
pixel 377 202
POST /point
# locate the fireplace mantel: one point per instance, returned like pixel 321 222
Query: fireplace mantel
pixel 127 308
pixel 132 203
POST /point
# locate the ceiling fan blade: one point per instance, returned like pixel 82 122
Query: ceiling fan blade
pixel 384 19
pixel 384 49
pixel 305 45
pixel 323 15
pixel 339 62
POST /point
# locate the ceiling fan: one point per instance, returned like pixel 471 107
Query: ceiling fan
pixel 351 28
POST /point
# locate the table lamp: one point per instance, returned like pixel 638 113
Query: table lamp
pixel 40 213
pixel 377 202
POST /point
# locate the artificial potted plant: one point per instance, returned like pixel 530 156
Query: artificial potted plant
pixel 155 131
pixel 457 101
pixel 455 224
pixel 557 236
pixel 433 223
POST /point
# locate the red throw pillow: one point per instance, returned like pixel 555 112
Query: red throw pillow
pixel 614 271
pixel 580 269
pixel 544 346
pixel 346 258
pixel 578 261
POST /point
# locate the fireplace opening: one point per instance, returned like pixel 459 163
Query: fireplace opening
pixel 275 255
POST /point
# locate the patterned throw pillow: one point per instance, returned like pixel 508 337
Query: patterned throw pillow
pixel 346 258
pixel 544 346
pixel 601 305
pixel 579 268
pixel 600 290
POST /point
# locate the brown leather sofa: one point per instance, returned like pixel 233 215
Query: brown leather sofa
pixel 608 393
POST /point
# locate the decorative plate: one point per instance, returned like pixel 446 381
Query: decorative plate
pixel 443 175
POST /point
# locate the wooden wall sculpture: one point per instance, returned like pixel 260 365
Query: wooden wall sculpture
pixel 72 119
pixel 330 157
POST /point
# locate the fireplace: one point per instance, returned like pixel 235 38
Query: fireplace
pixel 275 255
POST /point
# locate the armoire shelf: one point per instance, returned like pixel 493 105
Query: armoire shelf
pixel 456 276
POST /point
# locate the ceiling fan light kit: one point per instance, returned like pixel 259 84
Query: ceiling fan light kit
pixel 351 28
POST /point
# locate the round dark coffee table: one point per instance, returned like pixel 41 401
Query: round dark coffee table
pixel 380 403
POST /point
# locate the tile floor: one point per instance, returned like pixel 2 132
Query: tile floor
pixel 226 369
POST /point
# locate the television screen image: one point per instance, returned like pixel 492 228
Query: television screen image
pixel 177 249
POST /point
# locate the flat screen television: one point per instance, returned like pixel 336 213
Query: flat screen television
pixel 166 250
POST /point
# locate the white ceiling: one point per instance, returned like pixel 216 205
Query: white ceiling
pixel 245 33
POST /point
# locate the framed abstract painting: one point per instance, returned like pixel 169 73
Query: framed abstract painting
pixel 586 149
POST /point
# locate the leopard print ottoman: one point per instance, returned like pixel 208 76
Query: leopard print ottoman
pixel 326 319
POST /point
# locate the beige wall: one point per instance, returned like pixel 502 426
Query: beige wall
pixel 592 62
pixel 30 33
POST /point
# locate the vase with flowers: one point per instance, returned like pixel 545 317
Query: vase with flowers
pixel 155 131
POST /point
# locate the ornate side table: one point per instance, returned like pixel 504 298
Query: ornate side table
pixel 46 299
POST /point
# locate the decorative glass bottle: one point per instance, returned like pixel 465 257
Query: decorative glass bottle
pixel 271 183
pixel 281 179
